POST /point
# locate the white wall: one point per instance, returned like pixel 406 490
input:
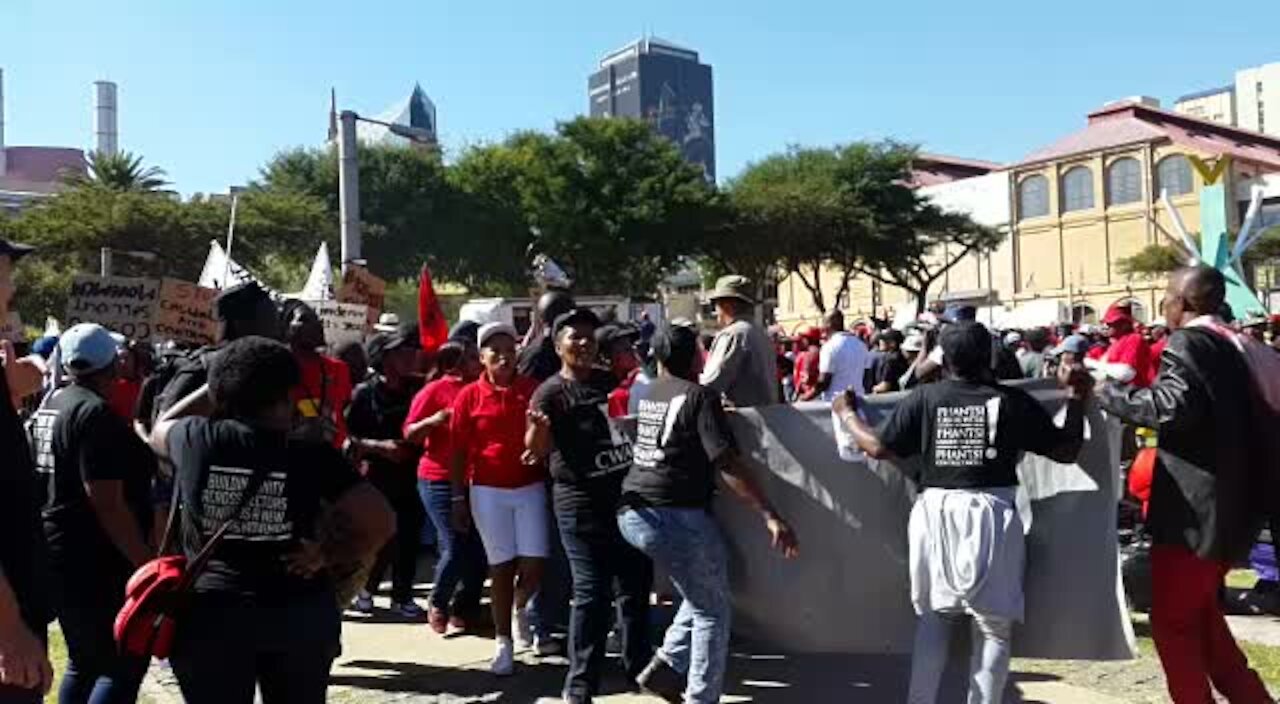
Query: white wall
pixel 984 198
pixel 1248 98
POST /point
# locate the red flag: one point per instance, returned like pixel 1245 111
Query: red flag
pixel 433 329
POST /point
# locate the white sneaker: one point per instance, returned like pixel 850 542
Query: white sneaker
pixel 408 609
pixel 521 630
pixel 363 602
pixel 504 659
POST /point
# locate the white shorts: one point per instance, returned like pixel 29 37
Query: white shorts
pixel 512 522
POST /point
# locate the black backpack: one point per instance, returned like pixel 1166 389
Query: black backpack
pixel 179 375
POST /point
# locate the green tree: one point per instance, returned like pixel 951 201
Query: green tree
pixel 1152 260
pixel 121 171
pixel 613 203
pixel 404 200
pixel 72 227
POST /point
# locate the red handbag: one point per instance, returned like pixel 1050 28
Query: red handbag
pixel 158 592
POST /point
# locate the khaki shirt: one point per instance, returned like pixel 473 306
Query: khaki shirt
pixel 743 366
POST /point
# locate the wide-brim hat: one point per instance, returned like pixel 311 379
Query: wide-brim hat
pixel 732 286
pixel 14 250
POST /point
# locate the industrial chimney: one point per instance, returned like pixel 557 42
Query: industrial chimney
pixel 3 163
pixel 104 117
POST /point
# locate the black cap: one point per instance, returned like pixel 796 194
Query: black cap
pixel 893 336
pixel 383 342
pixel 14 250
pixel 608 334
pixel 958 313
pixel 573 316
pixel 674 342
pixel 238 300
pixel 465 331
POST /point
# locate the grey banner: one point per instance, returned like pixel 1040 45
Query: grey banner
pixel 848 592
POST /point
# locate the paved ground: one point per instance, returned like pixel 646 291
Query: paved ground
pixel 387 660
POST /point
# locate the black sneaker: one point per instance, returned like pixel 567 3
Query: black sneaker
pixel 660 680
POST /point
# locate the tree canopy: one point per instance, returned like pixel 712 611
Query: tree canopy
pixel 121 171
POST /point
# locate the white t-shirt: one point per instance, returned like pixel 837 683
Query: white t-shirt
pixel 846 359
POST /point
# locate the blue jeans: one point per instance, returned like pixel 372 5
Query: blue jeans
pixel 687 542
pixel 461 560
pixel 96 671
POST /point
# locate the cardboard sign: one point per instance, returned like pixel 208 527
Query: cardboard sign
pixel 119 303
pixel 185 313
pixel 342 321
pixel 359 286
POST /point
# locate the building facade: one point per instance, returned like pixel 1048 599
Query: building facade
pixel 30 173
pixel 1216 104
pixel 1252 102
pixel 665 85
pixel 1073 210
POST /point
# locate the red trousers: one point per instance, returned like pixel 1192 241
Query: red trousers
pixel 1191 635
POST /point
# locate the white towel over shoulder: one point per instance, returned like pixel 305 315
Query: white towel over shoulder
pixel 967 552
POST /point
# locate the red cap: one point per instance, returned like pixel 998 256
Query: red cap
pixel 811 333
pixel 1118 312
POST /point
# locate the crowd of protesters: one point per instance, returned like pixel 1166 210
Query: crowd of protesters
pixel 314 476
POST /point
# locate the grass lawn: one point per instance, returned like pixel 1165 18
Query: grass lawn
pixel 57 656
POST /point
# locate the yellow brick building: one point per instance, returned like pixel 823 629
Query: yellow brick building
pixel 1072 210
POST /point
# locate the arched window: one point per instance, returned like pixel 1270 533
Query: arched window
pixel 1083 313
pixel 1173 174
pixel 1077 189
pixel 1124 181
pixel 1033 197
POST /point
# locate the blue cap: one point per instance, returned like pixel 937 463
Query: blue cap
pixel 45 345
pixel 1075 344
pixel 87 348
pixel 959 312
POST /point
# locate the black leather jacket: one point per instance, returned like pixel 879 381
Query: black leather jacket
pixel 1207 489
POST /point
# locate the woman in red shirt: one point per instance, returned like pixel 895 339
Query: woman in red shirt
pixel 461 560
pixel 494 491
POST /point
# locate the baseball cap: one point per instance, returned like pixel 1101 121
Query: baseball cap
pixel 1075 344
pixel 914 342
pixel 1012 338
pixel 572 317
pixel 86 348
pixel 383 342
pixel 387 322
pixel 488 330
pixel 1117 313
pixel 956 313
pixel 608 334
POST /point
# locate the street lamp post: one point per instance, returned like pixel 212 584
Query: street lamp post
pixel 349 178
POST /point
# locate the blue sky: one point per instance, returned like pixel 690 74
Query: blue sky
pixel 210 90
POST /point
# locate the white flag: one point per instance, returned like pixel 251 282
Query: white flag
pixel 319 286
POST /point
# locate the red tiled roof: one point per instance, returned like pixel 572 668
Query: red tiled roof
pixel 932 169
pixel 1134 123
pixel 41 164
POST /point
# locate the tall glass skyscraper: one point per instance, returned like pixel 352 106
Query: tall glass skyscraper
pixel 665 85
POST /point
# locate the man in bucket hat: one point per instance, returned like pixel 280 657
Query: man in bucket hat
pixel 742 365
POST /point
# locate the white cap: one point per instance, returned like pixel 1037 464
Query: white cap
pixel 914 342
pixel 488 330
pixel 387 322
pixel 1012 338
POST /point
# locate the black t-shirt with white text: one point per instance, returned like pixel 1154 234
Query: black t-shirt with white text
pixel 214 461
pixel 78 440
pixel 970 434
pixel 586 445
pixel 681 430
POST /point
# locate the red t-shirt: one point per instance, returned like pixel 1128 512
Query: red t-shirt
pixel 488 423
pixel 620 397
pixel 1133 351
pixel 327 376
pixel 437 449
pixel 807 372
pixel 124 398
